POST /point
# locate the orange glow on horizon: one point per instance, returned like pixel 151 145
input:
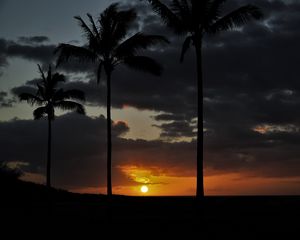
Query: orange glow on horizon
pixel 159 183
pixel 226 184
pixel 124 106
pixel 262 129
pixel 115 123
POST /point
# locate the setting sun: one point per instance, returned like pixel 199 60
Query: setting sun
pixel 144 189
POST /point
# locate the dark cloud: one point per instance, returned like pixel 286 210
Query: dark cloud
pixel 5 101
pixel 37 50
pixel 40 53
pixel 3 58
pixel 33 40
pixel 27 48
pixel 176 129
pixel 169 117
pixel 22 89
pixel 3 61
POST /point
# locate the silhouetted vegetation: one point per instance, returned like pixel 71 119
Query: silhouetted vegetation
pixel 8 174
pixel 108 46
pixel 193 19
pixel 48 97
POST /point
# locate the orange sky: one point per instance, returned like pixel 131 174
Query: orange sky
pixel 224 184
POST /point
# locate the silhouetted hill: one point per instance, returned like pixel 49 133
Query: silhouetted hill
pixel 17 192
pixel 26 204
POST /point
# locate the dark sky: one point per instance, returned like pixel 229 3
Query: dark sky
pixel 252 104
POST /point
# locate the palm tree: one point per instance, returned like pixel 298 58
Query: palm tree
pixel 194 19
pixel 48 97
pixel 108 46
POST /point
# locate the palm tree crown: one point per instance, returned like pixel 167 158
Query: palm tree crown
pixel 195 18
pixel 108 46
pixel 48 96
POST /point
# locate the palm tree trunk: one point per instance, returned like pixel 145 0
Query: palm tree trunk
pixel 48 182
pixel 109 150
pixel 200 182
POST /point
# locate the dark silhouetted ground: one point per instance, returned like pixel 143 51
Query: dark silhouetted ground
pixel 24 205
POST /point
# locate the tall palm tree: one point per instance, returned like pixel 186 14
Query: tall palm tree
pixel 194 19
pixel 49 96
pixel 108 46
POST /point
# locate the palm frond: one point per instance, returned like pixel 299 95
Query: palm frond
pixel 186 45
pixel 182 9
pixel 87 31
pixel 67 51
pixel 214 11
pixel 114 25
pixel 70 106
pixel 31 99
pixel 236 18
pixel 107 22
pixel 137 42
pixel 105 19
pixel 143 63
pixel 94 27
pixel 122 24
pixel 39 112
pixel 168 17
pixel 42 90
pixel 57 77
pixel 42 73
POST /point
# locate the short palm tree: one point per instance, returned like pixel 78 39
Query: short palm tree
pixel 108 46
pixel 49 96
pixel 194 19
